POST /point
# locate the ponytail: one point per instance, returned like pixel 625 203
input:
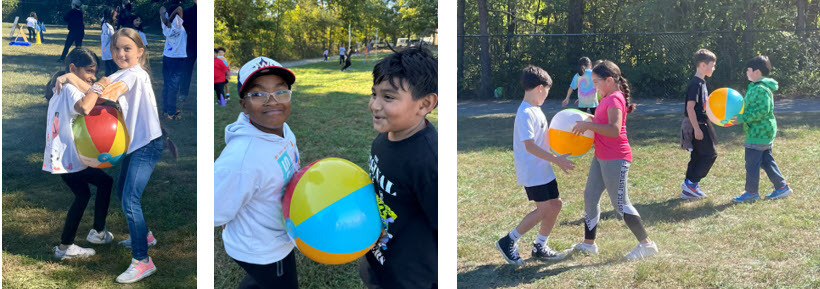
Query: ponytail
pixel 623 85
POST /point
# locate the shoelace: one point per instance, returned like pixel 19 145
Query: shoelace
pixel 512 248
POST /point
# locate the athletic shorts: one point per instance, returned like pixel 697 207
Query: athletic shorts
pixel 543 192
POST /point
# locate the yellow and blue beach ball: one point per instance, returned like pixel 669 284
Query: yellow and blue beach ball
pixel 561 138
pixel 330 211
pixel 723 104
pixel 100 137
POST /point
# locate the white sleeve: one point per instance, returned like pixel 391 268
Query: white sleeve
pixel 123 75
pixel 73 95
pixel 233 188
pixel 526 127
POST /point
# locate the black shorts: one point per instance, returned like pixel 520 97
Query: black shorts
pixel 543 192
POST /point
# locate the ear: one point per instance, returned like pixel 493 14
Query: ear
pixel 243 104
pixel 72 68
pixel 428 103
pixel 141 50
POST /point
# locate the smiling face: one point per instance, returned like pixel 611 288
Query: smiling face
pixel 137 22
pixel 126 53
pixel 86 73
pixel 268 117
pixel 395 111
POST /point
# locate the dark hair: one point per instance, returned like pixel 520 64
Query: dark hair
pixel 533 76
pixel 415 64
pixel 609 69
pixel 705 56
pixel 220 49
pixel 131 22
pixel 760 62
pixel 582 64
pixel 80 57
pixel 108 15
pixel 33 15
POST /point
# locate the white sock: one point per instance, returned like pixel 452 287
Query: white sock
pixel 541 239
pixel 514 235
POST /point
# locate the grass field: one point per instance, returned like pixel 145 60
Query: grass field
pixel 703 244
pixel 35 203
pixel 330 118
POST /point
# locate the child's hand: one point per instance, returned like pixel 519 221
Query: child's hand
pixel 580 127
pixel 565 102
pixel 58 86
pixel 104 81
pixel 564 164
pixel 732 121
pixel 698 134
pixel 576 101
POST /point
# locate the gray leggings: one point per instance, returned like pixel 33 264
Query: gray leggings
pixel 612 176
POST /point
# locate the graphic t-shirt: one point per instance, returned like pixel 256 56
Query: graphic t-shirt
pixel 612 148
pixel 175 38
pixel 696 91
pixel 61 154
pixel 587 95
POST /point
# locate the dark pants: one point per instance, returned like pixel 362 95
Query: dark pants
pixel 702 157
pixel 73 37
pixel 185 86
pixel 278 275
pixel 78 183
pixel 172 71
pixel 31 34
pixel 756 159
pixel 110 67
pixel 219 88
pixel 347 64
pixel 589 110
pixel 341 59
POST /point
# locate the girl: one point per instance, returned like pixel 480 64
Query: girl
pixel 587 94
pixel 131 86
pixel 61 156
pixel 31 24
pixel 109 19
pixel 610 165
pixel 137 23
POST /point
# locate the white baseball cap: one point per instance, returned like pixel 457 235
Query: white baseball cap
pixel 263 66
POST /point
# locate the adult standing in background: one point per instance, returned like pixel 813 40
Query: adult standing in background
pixel 190 48
pixel 76 29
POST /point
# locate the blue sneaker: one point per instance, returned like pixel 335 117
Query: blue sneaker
pixel 690 190
pixel 781 193
pixel 746 197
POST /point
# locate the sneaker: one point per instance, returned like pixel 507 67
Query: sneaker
pixel 151 241
pixel 73 251
pixel 509 250
pixel 746 197
pixel 137 271
pixel 781 193
pixel 642 251
pixel 585 248
pixel 103 237
pixel 690 190
pixel 544 252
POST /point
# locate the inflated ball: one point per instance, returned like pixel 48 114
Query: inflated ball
pixel 561 138
pixel 723 104
pixel 330 211
pixel 100 137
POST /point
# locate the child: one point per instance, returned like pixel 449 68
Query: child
pixel 109 19
pixel 341 55
pixel 31 24
pixel 404 169
pixel 533 170
pixel 173 58
pixel 221 71
pixel 760 127
pixel 137 23
pixel 611 162
pixel 131 87
pixel 587 95
pixel 253 171
pixel 221 55
pixel 697 133
pixel 61 157
pixel 347 60
pixel 325 54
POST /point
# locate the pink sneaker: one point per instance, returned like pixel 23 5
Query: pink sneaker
pixel 137 271
pixel 151 241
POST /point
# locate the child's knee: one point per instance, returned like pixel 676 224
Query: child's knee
pixel 556 204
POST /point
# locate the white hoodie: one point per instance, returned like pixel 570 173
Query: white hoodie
pixel 250 178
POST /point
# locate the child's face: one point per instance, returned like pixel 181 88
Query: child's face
pixel 707 68
pixel 753 75
pixel 220 53
pixel 393 109
pixel 137 22
pixel 126 53
pixel 271 116
pixel 87 73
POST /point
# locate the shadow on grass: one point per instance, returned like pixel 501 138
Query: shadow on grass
pixel 494 276
pixel 669 211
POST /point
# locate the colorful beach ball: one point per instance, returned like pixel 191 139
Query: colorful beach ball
pixel 561 138
pixel 723 104
pixel 331 212
pixel 100 137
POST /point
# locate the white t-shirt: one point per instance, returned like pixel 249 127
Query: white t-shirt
pixel 144 39
pixel 61 155
pixel 31 22
pixel 530 123
pixel 175 38
pixel 139 106
pixel 341 51
pixel 105 40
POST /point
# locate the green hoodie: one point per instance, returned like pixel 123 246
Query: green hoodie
pixel 758 112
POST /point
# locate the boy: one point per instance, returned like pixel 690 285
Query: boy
pixel 251 175
pixel 697 134
pixel 221 55
pixel 533 170
pixel 404 170
pixel 341 55
pixel 760 127
pixel 221 72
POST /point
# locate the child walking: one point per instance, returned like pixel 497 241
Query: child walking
pixel 610 164
pixel 533 170
pixel 221 71
pixel 61 156
pixel 221 55
pixel 582 81
pixel 31 24
pixel 109 19
pixel 760 127
pixel 697 133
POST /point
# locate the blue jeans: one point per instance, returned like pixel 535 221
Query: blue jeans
pixel 756 159
pixel 188 72
pixel 136 170
pixel 172 70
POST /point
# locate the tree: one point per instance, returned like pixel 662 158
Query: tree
pixel 486 78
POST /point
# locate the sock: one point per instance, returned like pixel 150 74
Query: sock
pixel 541 239
pixel 514 235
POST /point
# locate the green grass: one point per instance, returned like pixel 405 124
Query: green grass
pixel 707 243
pixel 35 202
pixel 330 118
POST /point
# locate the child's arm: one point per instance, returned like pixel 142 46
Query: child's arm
pixel 233 188
pixel 562 161
pixel 756 106
pixel 690 112
pixel 162 17
pixel 566 100
pixel 85 104
pixel 611 129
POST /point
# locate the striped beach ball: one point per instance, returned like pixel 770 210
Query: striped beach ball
pixel 330 211
pixel 723 104
pixel 100 137
pixel 561 138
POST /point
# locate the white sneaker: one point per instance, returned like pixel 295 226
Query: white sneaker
pixel 151 241
pixel 73 251
pixel 585 248
pixel 103 237
pixel 137 271
pixel 642 251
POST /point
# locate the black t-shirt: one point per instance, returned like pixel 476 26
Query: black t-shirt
pixel 696 91
pixel 75 21
pixel 405 174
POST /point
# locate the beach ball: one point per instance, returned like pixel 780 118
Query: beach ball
pixel 561 138
pixel 330 211
pixel 723 104
pixel 100 137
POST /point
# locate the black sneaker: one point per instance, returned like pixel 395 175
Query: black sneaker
pixel 544 252
pixel 509 250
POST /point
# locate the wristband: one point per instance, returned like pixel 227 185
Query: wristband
pixel 96 88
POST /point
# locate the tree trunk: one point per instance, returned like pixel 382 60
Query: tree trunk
pixel 575 22
pixel 460 44
pixel 814 9
pixel 802 5
pixel 748 37
pixel 484 43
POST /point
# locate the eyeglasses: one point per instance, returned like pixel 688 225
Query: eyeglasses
pixel 262 97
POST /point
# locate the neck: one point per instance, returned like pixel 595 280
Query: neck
pixel 699 75
pixel 532 98
pixel 756 79
pixel 408 132
pixel 280 131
